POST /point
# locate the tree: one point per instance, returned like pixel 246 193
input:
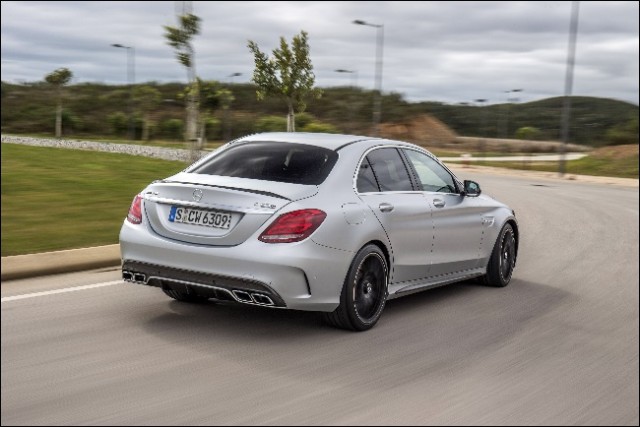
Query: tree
pixel 118 122
pixel 212 96
pixel 172 128
pixel 226 98
pixel 271 124
pixel 528 133
pixel 147 99
pixel 623 133
pixel 180 39
pixel 210 100
pixel 59 78
pixel 288 74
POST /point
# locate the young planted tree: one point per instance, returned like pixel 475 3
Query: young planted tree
pixel 288 74
pixel 226 99
pixel 180 38
pixel 212 97
pixel 59 78
pixel 147 99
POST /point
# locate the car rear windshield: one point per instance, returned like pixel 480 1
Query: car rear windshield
pixel 272 161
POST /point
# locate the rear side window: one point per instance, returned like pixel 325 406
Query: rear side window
pixel 366 180
pixel 389 170
pixel 272 161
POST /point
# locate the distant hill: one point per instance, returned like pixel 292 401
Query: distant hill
pixel 591 118
pixel 98 109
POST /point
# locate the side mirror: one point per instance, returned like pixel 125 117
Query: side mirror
pixel 471 188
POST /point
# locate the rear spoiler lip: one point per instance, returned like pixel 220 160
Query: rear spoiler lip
pixel 246 190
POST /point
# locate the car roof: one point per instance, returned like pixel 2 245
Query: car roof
pixel 326 140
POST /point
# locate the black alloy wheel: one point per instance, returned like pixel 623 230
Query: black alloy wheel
pixel 369 287
pixel 364 293
pixel 503 259
pixel 507 255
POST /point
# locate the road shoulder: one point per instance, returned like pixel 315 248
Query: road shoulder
pixel 22 266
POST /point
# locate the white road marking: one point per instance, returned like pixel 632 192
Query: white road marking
pixel 60 291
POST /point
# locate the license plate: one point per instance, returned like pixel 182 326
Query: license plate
pixel 215 219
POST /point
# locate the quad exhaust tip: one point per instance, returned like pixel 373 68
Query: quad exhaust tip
pixel 248 298
pixel 130 276
pixel 239 295
pixel 242 296
pixel 262 299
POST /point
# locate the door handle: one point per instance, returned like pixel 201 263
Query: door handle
pixel 385 207
pixel 439 203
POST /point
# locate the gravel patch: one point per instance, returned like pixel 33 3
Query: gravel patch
pixel 75 144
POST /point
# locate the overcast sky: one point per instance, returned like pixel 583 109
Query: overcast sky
pixel 441 51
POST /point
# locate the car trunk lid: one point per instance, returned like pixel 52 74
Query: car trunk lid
pixel 216 210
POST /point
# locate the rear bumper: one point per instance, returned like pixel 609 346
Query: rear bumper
pixel 301 276
pixel 203 284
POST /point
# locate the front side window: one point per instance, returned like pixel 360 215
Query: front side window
pixel 389 170
pixel 432 176
pixel 272 161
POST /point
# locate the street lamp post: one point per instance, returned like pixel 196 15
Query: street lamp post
pixel 354 76
pixel 354 83
pixel 377 100
pixel 131 79
pixel 568 83
pixel 227 119
pixel 232 75
pixel 509 100
pixel 482 121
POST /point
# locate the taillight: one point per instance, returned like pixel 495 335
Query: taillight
pixel 293 226
pixel 135 211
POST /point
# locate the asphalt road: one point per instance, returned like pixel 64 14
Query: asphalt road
pixel 558 346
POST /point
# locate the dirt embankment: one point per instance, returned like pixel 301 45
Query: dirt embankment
pixel 423 130
pixel 616 151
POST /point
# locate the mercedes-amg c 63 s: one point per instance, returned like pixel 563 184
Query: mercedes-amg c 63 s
pixel 332 223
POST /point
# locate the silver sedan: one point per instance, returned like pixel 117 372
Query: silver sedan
pixel 332 223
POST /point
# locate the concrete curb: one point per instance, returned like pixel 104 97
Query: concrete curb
pixel 24 266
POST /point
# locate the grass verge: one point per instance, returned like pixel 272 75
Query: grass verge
pixel 55 199
pixel 618 161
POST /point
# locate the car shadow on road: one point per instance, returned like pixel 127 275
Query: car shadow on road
pixel 459 309
pixel 434 331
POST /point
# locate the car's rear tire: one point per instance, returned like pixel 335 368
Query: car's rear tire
pixel 503 259
pixel 184 297
pixel 364 293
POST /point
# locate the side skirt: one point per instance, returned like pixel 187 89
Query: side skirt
pixel 401 289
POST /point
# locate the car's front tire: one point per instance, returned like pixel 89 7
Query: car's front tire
pixel 503 259
pixel 364 293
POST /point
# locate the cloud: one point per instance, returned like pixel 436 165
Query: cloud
pixel 443 51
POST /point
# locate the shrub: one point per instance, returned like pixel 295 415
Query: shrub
pixel 172 128
pixel 319 127
pixel 213 129
pixel 271 124
pixel 303 119
pixel 118 122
